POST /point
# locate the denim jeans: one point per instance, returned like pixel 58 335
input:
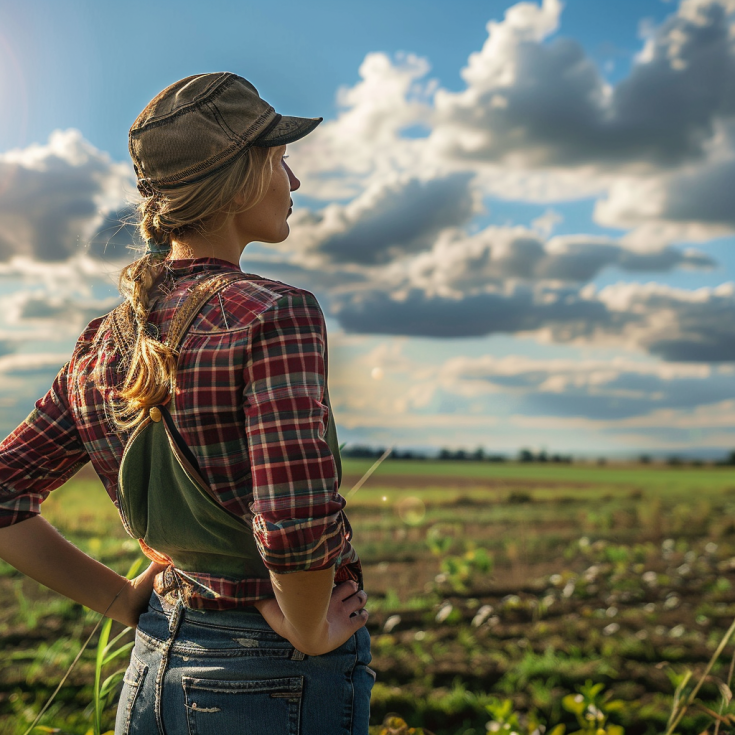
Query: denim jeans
pixel 208 672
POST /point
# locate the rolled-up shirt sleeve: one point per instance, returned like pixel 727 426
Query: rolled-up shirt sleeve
pixel 298 518
pixel 40 455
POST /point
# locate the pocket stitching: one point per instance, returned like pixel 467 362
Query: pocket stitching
pixel 289 688
pixel 141 669
pixel 238 686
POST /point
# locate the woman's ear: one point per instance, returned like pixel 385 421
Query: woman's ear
pixel 239 199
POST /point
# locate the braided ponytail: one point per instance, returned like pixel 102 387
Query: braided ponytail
pixel 151 371
pixel 151 367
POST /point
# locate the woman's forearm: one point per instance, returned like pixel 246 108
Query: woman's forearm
pixel 304 600
pixel 35 548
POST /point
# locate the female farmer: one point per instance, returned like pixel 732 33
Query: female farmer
pixel 202 403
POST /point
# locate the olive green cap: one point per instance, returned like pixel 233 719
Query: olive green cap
pixel 202 124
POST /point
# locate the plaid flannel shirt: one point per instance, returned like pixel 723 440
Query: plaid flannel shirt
pixel 248 403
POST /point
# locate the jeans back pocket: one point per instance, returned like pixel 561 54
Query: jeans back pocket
pixel 255 706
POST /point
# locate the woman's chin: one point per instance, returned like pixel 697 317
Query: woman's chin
pixel 285 232
pixel 272 238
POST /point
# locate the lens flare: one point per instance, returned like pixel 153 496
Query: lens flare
pixel 411 510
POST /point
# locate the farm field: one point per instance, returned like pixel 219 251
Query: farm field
pixel 487 582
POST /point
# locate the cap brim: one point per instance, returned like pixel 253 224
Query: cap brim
pixel 287 130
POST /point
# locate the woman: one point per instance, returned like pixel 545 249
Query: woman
pixel 202 404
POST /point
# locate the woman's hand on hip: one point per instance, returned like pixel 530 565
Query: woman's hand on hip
pixel 346 614
pixel 133 600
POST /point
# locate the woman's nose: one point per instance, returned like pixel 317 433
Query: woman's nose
pixel 292 180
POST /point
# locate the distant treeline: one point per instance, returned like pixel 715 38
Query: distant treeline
pixel 524 455
pixel 676 461
pixel 456 455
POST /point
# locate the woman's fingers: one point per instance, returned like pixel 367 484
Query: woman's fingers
pixel 356 602
pixel 345 589
pixel 359 618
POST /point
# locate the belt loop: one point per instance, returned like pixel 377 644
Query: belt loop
pixel 297 655
pixel 174 622
pixel 176 615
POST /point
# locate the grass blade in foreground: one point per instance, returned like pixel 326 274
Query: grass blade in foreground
pixel 104 656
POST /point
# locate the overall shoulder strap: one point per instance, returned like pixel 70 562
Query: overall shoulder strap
pixel 185 315
pixel 195 301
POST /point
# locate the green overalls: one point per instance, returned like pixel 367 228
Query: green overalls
pixel 164 501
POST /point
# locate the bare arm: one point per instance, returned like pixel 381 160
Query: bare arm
pixel 308 611
pixel 35 548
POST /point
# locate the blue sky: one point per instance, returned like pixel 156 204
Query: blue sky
pixel 563 273
pixel 91 65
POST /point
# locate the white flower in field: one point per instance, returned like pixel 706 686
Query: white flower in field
pixel 555 579
pixel 660 630
pixel 668 545
pixel 641 635
pixel 444 612
pixel 591 574
pixel 419 635
pixel 711 547
pixel 568 590
pixel 671 603
pixel 391 623
pixel 610 629
pixel 690 556
pixel 649 607
pixel 548 601
pixel 650 578
pixel 440 578
pixel 677 631
pixel 482 615
pixel 584 542
pixel 683 570
pixel 611 612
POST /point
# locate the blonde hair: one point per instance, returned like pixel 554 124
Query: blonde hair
pixel 151 365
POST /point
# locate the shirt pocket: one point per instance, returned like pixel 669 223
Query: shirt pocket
pixel 217 706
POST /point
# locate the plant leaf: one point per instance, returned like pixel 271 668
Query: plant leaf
pixel 111 681
pixel 725 691
pixel 573 703
pixel 119 652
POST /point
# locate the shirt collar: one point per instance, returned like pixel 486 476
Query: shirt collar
pixel 191 266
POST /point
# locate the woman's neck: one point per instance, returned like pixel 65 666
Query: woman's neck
pixel 221 243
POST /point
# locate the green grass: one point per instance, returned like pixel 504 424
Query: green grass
pixel 650 476
pixel 569 546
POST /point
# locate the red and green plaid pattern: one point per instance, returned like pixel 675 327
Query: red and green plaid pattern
pixel 248 403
